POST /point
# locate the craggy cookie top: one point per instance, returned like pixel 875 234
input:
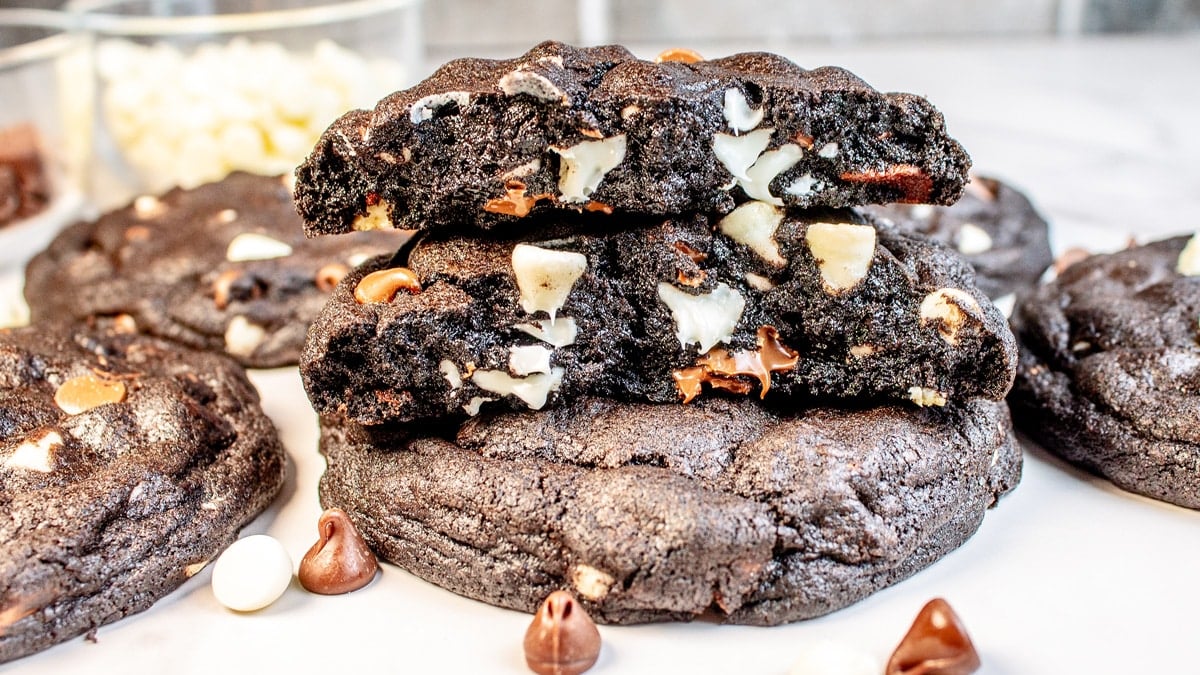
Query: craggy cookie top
pixel 223 267
pixel 486 142
pixel 994 226
pixel 126 464
pixel 761 303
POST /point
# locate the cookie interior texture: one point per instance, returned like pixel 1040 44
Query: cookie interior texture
pixel 993 225
pixel 596 128
pixel 1110 370
pixel 222 267
pixel 126 464
pixel 656 302
pixel 724 508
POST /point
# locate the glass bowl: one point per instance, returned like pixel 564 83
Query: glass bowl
pixel 190 90
pixel 44 122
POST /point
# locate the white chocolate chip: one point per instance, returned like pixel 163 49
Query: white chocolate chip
pixel 923 396
pixel 738 114
pixel 377 217
pixel 243 337
pixel 972 240
pixel 828 151
pixel 949 308
pixel 759 282
pixel 472 407
pixel 921 211
pixel 705 319
pixel 195 568
pixel 425 108
pixel 545 277
pixel 147 206
pixel 226 216
pixel 1005 304
pixel 559 333
pixel 1189 258
pixel 591 583
pixel 254 246
pixel 529 359
pixel 629 111
pixel 860 351
pixel 833 658
pixel 36 455
pixel 803 186
pixel 753 224
pixel 752 165
pixel 739 153
pixel 451 373
pixel 252 573
pixel 584 166
pixel 844 253
pixel 533 390
pixel 530 167
pixel 769 165
pixel 532 84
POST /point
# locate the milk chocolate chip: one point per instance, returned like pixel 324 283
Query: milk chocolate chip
pixel 936 644
pixel 340 561
pixel 562 640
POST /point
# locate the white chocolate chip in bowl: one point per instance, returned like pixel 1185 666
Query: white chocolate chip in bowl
pixel 253 246
pixel 705 319
pixel 949 308
pixel 844 253
pixel 584 165
pixel 545 277
pixel 252 573
pixel 753 225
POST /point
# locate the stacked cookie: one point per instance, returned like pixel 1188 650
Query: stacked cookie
pixel 643 348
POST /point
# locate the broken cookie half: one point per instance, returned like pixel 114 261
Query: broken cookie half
pixel 486 143
pixel 816 305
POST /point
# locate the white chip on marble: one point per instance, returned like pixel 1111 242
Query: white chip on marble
pixel 252 573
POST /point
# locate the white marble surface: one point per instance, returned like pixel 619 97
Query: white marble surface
pixel 1067 575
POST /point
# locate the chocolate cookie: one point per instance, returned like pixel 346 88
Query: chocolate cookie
pixel 1110 368
pixel 668 512
pixel 126 464
pixel 223 267
pixel 994 226
pixel 814 305
pixel 486 142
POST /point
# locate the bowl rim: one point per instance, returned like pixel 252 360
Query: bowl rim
pixel 41 48
pixel 90 15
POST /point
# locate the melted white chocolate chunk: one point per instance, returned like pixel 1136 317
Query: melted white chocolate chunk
pixel 844 253
pixel 533 389
pixel 36 455
pixel 545 277
pixel 738 114
pixel 753 225
pixel 706 319
pixel 584 166
pixel 559 333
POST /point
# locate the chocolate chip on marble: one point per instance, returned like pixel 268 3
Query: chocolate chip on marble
pixel 936 644
pixel 340 561
pixel 562 639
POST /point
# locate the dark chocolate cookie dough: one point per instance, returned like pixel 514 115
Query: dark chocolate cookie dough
pixel 223 267
pixel 1109 376
pixel 126 464
pixel 994 226
pixel 485 142
pixel 668 512
pixel 808 305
